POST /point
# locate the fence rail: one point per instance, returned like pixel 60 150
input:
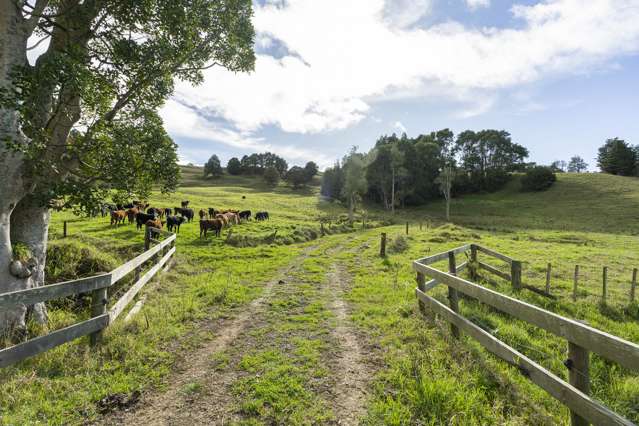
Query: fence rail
pixel 581 338
pixel 98 287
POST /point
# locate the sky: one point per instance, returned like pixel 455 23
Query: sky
pixel 561 76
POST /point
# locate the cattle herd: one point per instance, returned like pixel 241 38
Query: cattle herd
pixel 155 218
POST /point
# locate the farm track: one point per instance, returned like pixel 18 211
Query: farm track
pixel 261 327
pixel 351 372
pixel 162 408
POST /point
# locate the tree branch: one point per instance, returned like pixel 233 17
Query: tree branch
pixel 32 22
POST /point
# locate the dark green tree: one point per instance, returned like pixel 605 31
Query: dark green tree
pixel 577 164
pixel 333 181
pixel 234 167
pixel 617 157
pixel 311 170
pixel 296 177
pixel 271 176
pixel 213 167
pixel 108 67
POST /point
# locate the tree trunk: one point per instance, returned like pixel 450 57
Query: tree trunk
pixel 13 40
pixel 351 207
pixel 448 208
pixel 30 225
pixel 393 191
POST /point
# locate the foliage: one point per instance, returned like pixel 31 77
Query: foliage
pixel 21 251
pixel 538 178
pixel 399 244
pixel 108 77
pixel 354 179
pixel 333 181
pixel 402 171
pixel 577 164
pixel 213 167
pixel 617 158
pixel 256 164
pixel 558 166
pixel 311 170
pixel 70 260
pixel 296 177
pixel 234 167
pixel 271 176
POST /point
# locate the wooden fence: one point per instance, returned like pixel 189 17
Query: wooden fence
pixel 98 286
pixel 581 338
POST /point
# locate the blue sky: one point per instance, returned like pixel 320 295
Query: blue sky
pixel 560 75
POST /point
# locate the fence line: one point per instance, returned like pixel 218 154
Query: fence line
pixel 98 287
pixel 581 338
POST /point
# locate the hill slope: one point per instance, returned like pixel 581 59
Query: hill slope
pixel 589 202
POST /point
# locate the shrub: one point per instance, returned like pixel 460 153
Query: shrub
pixel 616 157
pixel 70 260
pixel 398 245
pixel 538 179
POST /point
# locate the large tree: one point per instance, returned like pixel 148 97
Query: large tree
pixel 213 167
pixel 108 66
pixel 354 179
pixel 577 164
pixel 617 157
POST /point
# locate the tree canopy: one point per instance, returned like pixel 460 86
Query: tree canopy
pixel 617 157
pixel 213 167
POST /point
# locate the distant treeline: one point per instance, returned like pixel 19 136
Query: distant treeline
pixel 401 171
pixel 271 166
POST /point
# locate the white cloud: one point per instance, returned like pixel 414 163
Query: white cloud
pixel 404 13
pixel 351 54
pixel 181 121
pixel 476 4
pixel 400 127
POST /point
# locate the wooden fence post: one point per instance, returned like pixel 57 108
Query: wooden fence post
pixel 515 274
pixel 64 229
pixel 576 281
pixel 421 284
pixel 548 271
pixel 98 307
pixel 322 229
pixel 406 228
pixel 633 285
pixel 382 247
pixel 420 225
pixel 579 376
pixel 453 297
pixel 473 262
pixel 147 239
pixel 604 287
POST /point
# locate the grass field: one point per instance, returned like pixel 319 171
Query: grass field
pixel 287 366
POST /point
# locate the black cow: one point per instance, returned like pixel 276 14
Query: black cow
pixel 212 212
pixel 187 213
pixel 168 211
pixel 142 218
pixel 245 214
pixel 153 211
pixel 174 222
pixel 261 216
pixel 185 204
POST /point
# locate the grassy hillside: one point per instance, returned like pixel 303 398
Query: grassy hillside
pixel 284 368
pixel 590 202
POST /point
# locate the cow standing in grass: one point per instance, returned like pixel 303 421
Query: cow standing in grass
pixel 131 213
pixel 211 224
pixel 153 226
pixel 142 218
pixel 117 217
pixel 246 215
pixel 174 222
pixel 261 216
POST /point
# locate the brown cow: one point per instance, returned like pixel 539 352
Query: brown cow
pixel 154 223
pixel 213 224
pixel 117 217
pixel 223 218
pixel 202 213
pixel 232 218
pixel 131 213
